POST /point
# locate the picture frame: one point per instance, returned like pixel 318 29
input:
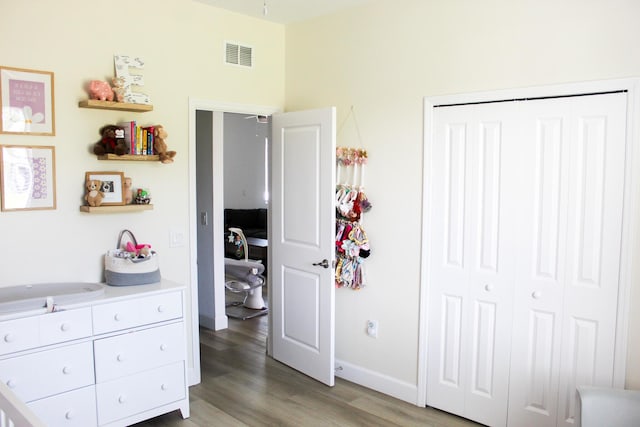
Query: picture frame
pixel 112 186
pixel 27 99
pixel 27 177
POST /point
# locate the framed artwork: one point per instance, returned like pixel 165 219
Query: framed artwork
pixel 112 185
pixel 27 177
pixel 27 102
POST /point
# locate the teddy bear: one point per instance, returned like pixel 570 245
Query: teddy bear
pixel 94 196
pixel 112 141
pixel 160 147
pixel 118 88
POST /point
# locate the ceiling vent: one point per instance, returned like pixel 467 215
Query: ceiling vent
pixel 237 54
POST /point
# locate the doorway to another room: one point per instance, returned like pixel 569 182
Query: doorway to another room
pixel 232 193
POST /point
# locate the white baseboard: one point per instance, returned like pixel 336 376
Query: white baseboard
pixel 378 382
pixel 220 322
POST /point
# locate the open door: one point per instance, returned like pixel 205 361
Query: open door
pixel 302 241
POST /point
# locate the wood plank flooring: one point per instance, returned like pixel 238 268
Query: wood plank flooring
pixel 241 386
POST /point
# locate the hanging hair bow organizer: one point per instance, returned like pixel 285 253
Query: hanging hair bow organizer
pixel 352 243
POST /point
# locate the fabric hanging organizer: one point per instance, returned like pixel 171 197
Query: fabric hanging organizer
pixel 352 243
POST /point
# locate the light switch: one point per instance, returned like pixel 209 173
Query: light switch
pixel 176 239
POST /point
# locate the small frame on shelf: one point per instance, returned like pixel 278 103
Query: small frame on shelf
pixel 112 105
pixel 28 177
pixel 112 186
pixel 27 102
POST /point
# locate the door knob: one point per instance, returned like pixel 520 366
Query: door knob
pixel 324 263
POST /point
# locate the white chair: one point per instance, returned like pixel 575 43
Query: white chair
pixel 608 407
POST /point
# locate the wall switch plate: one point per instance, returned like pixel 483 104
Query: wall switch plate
pixel 176 239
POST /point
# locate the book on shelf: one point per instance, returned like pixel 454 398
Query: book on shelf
pixel 140 139
pixel 129 134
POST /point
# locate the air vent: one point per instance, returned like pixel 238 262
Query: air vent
pixel 238 55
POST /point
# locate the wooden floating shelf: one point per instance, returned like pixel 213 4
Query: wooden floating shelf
pixel 110 105
pixel 115 209
pixel 130 157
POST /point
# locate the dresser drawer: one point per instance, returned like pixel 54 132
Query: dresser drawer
pixel 18 334
pixel 75 408
pixel 138 351
pixel 38 375
pixel 65 326
pixel 131 395
pixel 136 312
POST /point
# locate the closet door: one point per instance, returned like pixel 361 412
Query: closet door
pixel 568 254
pixel 471 262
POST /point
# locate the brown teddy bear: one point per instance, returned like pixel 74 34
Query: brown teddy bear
pixel 112 141
pixel 94 196
pixel 160 147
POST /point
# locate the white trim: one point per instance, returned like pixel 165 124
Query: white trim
pixel 374 380
pixel 631 208
pixel 220 321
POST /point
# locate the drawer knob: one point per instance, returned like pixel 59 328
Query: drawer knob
pixel 117 317
pixel 488 287
pixel 9 338
pixel 66 370
pixel 65 327
pixel 161 308
pixel 536 295
pixel 11 384
pixel 163 347
pixel 120 358
pixel 163 387
pixel 122 399
pixel 69 415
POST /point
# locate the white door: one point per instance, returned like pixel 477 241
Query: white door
pixel 302 241
pixel 568 267
pixel 472 262
pixel 524 257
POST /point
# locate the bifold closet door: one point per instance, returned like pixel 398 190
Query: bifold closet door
pixel 565 301
pixel 471 262
pixel 524 255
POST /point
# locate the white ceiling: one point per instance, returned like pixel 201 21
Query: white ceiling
pixel 285 11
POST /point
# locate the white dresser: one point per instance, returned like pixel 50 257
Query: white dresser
pixel 113 361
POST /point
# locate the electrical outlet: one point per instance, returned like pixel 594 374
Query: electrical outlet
pixel 372 328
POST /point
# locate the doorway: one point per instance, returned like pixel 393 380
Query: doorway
pixel 212 314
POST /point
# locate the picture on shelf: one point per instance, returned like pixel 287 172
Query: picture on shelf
pixel 111 185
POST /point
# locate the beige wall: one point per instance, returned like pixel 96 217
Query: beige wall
pixel 182 44
pixel 382 59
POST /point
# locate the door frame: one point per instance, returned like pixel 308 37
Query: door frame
pixel 631 208
pixel 220 320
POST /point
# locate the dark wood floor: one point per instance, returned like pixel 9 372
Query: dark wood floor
pixel 241 386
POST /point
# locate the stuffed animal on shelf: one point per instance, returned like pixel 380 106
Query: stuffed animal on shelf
pixel 100 90
pixel 160 146
pixel 112 141
pixel 128 191
pixel 94 196
pixel 118 88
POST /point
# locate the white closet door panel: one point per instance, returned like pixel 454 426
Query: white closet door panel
pixel 537 324
pixel 449 278
pixel 471 275
pixel 594 239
